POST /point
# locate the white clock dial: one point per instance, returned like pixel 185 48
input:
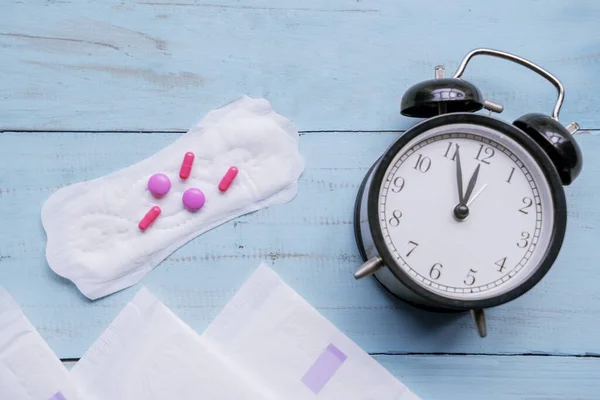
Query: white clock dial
pixel 506 233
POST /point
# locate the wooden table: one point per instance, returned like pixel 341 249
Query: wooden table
pixel 89 87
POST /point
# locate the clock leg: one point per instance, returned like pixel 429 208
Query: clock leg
pixel 368 268
pixel 479 318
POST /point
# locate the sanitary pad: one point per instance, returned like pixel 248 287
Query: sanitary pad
pixel 148 353
pixel 29 370
pixel 92 230
pixel 289 347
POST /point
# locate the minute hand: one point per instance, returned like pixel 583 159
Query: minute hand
pixel 471 186
pixel 459 177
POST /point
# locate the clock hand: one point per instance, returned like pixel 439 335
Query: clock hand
pixel 459 176
pixel 461 211
pixel 471 185
pixel 476 194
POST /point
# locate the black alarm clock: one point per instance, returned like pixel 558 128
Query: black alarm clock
pixel 465 211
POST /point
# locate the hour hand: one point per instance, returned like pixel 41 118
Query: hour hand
pixel 471 185
pixel 461 211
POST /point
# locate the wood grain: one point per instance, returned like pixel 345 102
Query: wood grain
pixel 335 65
pixel 497 377
pixel 309 241
pixel 90 87
pixel 477 377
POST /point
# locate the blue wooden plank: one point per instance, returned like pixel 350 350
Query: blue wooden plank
pixel 340 64
pixel 497 377
pixel 477 377
pixel 309 242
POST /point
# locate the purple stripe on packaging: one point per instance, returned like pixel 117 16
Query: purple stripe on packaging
pixel 58 396
pixel 317 376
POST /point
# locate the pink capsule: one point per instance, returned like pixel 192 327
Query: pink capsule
pixel 149 218
pixel 186 165
pixel 228 179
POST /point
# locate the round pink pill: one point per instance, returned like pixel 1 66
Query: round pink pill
pixel 193 199
pixel 159 184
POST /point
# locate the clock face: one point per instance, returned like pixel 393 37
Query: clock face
pixel 504 237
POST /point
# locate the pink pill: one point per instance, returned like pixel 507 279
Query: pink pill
pixel 149 218
pixel 186 165
pixel 228 179
pixel 159 184
pixel 193 199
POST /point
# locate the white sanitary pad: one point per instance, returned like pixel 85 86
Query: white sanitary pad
pixel 148 353
pixel 288 346
pixel 92 230
pixel 29 370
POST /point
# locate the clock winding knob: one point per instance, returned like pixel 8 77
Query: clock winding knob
pixel 493 106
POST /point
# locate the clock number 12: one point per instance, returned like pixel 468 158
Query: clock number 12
pixel 488 153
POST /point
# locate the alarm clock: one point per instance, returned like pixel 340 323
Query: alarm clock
pixel 465 211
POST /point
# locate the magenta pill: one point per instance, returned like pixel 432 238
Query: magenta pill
pixel 193 199
pixel 159 184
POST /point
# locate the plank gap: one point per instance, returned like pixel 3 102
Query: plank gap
pixel 393 353
pixel 582 131
pixel 74 360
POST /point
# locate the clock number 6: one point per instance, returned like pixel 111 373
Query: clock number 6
pixel 524 242
pixel 470 279
pixel 395 220
pixel 436 271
